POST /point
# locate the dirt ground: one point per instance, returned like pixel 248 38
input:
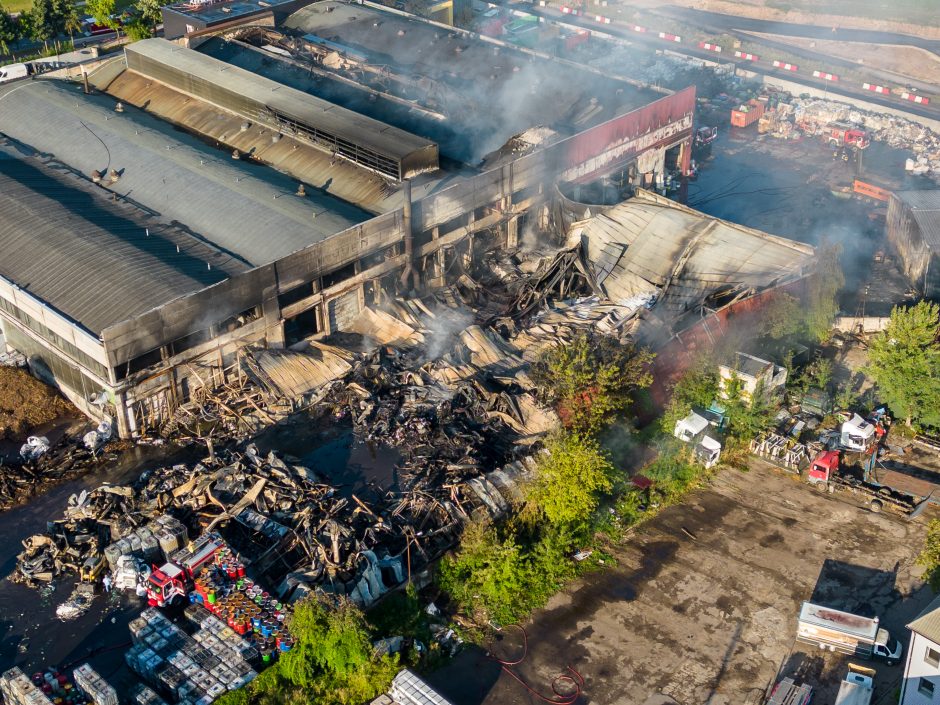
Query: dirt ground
pixel 25 403
pixel 906 61
pixel 712 619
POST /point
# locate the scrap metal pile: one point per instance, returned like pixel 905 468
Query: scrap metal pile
pixel 289 524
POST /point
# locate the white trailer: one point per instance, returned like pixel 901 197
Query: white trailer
pixel 692 429
pixel 834 630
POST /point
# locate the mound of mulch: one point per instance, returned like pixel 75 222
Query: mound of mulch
pixel 26 402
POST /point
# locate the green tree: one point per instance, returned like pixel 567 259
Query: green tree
pixel 929 557
pixel 591 379
pixel 487 576
pixel 782 317
pixel 102 11
pixel 904 361
pixel 822 291
pixel 149 12
pixel 71 22
pixel 137 29
pixel 698 386
pixel 569 480
pixel 748 415
pixel 332 658
pixel 43 21
pixel 9 31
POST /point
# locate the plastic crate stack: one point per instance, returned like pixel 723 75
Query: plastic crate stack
pixel 96 688
pixel 190 670
pixel 143 695
pixel 152 542
pixel 18 689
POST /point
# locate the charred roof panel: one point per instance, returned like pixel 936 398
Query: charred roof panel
pixel 304 162
pixel 363 140
pixel 245 209
pixel 94 261
pixel 488 89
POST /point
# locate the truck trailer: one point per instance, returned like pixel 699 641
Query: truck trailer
pixel 879 486
pixel 834 630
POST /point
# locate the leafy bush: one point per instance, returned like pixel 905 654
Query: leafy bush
pixel 929 558
pixel 332 661
pixel 698 386
pixel 569 479
pixel 501 578
pixel 591 379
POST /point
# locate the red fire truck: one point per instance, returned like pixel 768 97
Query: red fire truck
pixel 841 134
pixel 171 583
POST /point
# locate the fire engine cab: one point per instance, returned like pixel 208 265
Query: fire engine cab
pixel 171 583
pixel 841 134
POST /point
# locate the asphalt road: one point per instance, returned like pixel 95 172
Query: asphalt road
pixel 718 21
pixel 702 604
pixel 622 32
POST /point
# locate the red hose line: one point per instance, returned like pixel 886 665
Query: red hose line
pixel 565 681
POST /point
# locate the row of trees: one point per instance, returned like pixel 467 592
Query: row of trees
pixel 48 20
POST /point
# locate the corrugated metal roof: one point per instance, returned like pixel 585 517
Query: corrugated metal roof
pixel 925 209
pixel 466 77
pixel 927 623
pixel 409 689
pixel 362 130
pixel 247 209
pixel 313 166
pixel 682 254
pixel 87 257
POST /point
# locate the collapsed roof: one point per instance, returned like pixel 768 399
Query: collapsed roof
pixel 650 250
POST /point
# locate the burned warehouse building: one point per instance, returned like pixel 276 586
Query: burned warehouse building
pixel 252 186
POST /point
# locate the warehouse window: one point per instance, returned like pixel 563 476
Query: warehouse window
pixel 54 339
pixel 925 687
pixel 932 657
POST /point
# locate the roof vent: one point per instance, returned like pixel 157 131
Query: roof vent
pixel 96 176
pixel 119 108
pixel 275 138
pixel 113 175
pixel 401 33
pixel 301 191
pixel 245 126
pixel 236 154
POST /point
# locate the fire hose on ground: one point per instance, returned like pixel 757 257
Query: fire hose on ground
pixel 566 686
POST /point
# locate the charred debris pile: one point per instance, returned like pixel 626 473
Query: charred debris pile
pixel 443 379
pixel 28 474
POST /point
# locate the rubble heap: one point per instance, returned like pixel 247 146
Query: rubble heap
pixel 66 458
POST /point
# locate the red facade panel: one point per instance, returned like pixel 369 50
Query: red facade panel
pixel 672 109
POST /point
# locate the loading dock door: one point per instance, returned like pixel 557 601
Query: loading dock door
pixel 343 310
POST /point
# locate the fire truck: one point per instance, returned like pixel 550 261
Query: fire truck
pixel 172 582
pixel 842 134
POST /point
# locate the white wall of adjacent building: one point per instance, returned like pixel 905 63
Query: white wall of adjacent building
pixel 922 672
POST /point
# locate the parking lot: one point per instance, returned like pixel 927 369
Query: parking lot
pixel 702 606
